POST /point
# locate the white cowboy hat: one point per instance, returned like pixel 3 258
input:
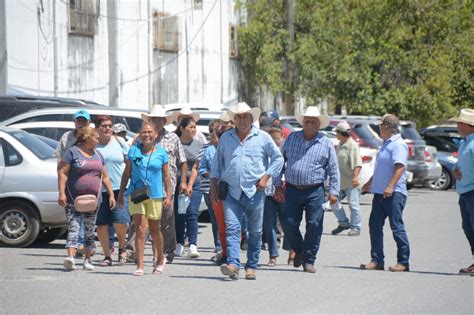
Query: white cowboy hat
pixel 225 116
pixel 159 111
pixel 186 111
pixel 242 108
pixel 465 116
pixel 313 111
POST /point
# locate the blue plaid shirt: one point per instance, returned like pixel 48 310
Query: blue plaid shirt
pixel 311 163
pixel 242 163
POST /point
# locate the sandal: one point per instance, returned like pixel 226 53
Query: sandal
pixel 468 270
pixel 106 262
pixel 138 272
pixel 272 262
pixel 122 257
pixel 158 270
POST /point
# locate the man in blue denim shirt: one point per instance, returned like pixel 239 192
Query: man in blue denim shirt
pixel 246 159
pixel 310 158
pixel 389 186
pixel 464 172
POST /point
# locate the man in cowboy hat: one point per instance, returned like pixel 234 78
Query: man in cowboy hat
pixel 464 172
pixel 389 186
pixel 187 112
pixel 310 158
pixel 170 142
pixel 246 158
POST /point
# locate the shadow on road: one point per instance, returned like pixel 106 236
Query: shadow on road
pixel 411 271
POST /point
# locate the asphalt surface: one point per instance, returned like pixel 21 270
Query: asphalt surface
pixel 33 280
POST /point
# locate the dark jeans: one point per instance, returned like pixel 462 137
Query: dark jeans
pixel 310 200
pixel 270 214
pixel 212 216
pixel 188 222
pixel 392 208
pixel 466 203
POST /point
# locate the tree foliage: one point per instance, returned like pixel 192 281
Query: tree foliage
pixel 409 57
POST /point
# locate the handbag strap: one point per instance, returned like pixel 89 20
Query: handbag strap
pixel 148 164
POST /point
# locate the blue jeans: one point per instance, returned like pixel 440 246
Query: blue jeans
pixel 466 203
pixel 189 220
pixel 392 208
pixel 311 200
pixel 270 214
pixel 212 216
pixel 233 212
pixel 353 196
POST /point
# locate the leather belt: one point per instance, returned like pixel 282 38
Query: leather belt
pixel 304 187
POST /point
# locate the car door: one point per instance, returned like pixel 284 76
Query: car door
pixel 2 164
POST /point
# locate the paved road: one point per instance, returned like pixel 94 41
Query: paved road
pixel 33 280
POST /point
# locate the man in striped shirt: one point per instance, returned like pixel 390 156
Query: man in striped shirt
pixel 310 159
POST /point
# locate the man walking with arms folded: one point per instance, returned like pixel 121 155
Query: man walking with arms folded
pixel 246 159
pixel 310 158
pixel 389 186
pixel 464 172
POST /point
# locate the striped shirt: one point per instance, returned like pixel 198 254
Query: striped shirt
pixel 207 155
pixel 311 162
pixel 170 142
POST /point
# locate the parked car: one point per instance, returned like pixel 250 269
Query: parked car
pixel 55 129
pixel 447 157
pixel 130 118
pixel 434 167
pixel 28 190
pixel 11 106
pixel 360 131
pixel 448 132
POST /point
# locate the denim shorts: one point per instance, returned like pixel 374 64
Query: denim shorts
pixel 105 216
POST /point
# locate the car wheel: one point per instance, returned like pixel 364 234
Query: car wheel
pixel 443 182
pixel 48 235
pixel 19 224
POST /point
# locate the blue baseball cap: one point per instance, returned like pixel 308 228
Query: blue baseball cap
pixel 273 114
pixel 82 113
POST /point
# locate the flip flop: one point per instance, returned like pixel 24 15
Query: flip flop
pixel 138 272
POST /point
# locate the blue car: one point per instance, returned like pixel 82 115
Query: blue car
pixel 447 157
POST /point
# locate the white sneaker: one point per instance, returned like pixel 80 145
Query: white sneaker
pixel 70 263
pixel 179 250
pixel 193 251
pixel 88 265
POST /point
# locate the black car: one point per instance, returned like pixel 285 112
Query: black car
pixel 447 133
pixel 11 106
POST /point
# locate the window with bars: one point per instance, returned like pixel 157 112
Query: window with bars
pixel 166 32
pixel 83 17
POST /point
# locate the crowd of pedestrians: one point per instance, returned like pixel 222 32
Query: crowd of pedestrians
pixel 256 178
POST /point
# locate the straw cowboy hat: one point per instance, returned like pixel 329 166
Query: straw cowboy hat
pixel 465 116
pixel 313 111
pixel 186 111
pixel 242 108
pixel 159 111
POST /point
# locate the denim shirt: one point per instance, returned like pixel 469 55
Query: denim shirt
pixel 466 165
pixel 242 163
pixel 393 151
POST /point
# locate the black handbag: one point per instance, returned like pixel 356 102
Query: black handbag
pixel 222 190
pixel 139 195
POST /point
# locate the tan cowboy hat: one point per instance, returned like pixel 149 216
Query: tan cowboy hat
pixel 186 111
pixel 242 108
pixel 159 111
pixel 465 116
pixel 313 111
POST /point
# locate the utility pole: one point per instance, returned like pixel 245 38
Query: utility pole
pixel 149 55
pixel 288 65
pixel 112 27
pixel 3 49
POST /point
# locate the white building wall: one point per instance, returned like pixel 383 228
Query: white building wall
pixel 195 75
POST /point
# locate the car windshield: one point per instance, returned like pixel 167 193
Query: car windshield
pixel 38 147
pixel 409 132
pixel 363 131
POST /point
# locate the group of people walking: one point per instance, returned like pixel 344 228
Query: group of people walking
pixel 250 178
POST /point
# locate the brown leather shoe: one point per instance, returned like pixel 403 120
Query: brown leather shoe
pixel 298 260
pixel 399 268
pixel 230 270
pixel 250 274
pixel 468 270
pixel 371 266
pixel 309 268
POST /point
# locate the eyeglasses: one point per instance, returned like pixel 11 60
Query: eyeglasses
pixel 106 126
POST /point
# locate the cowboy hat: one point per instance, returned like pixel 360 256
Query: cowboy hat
pixel 186 111
pixel 159 111
pixel 465 116
pixel 313 111
pixel 242 108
